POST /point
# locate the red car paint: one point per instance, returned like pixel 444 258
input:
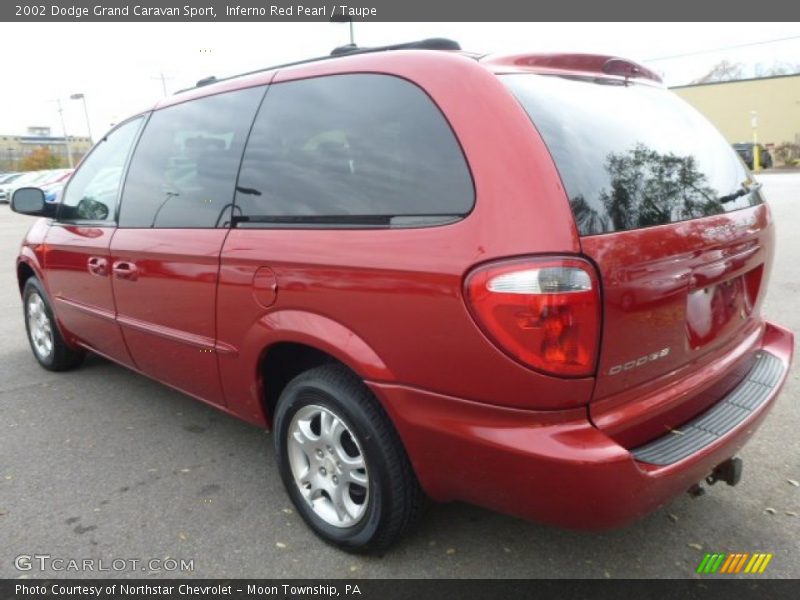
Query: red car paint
pixel 200 310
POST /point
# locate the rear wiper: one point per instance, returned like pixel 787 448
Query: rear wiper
pixel 743 191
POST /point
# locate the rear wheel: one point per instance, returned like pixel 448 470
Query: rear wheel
pixel 342 462
pixel 46 341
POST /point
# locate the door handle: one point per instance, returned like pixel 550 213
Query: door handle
pixel 125 270
pixel 97 266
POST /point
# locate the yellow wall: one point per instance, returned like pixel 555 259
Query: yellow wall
pixel 728 105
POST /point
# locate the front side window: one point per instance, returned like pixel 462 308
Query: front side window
pixel 355 149
pixel 94 188
pixel 183 170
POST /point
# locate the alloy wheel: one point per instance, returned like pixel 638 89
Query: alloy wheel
pixel 40 328
pixel 328 466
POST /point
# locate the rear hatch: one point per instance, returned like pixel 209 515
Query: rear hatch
pixel 680 237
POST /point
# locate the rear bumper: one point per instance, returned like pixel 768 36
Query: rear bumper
pixel 554 467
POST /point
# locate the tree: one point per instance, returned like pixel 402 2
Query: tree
pixel 729 71
pixel 722 71
pixel 777 68
pixel 650 188
pixel 41 158
pixel 647 188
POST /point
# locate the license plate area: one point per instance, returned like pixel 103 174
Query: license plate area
pixel 715 310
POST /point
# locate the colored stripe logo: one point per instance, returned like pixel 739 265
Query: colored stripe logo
pixel 734 563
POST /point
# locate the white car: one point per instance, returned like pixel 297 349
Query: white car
pixel 7 179
pixel 29 179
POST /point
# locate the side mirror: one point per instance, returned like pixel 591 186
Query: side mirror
pixel 30 201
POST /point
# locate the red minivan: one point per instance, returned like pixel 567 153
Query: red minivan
pixel 528 282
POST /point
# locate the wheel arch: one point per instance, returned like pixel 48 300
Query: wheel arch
pixel 27 267
pixel 297 341
pixel 280 363
pixel 24 272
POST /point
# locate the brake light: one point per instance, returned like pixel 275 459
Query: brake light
pixel 628 69
pixel 544 312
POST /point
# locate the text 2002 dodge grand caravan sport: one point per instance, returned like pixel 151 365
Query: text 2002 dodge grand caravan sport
pixel 528 282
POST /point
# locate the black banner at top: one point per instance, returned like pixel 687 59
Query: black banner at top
pixel 394 10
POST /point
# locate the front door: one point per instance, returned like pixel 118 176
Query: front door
pixel 174 219
pixel 77 260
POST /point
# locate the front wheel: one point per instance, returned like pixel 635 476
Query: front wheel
pixel 46 341
pixel 342 461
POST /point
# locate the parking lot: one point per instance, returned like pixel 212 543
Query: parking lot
pixel 102 463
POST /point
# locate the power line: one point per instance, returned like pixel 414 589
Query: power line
pixel 793 37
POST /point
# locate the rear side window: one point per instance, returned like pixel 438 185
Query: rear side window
pixel 631 156
pixel 183 171
pixel 354 149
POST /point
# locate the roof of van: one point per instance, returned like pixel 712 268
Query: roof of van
pixel 433 52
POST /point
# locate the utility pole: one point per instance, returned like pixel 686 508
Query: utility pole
pixel 66 138
pixel 163 79
pixel 85 113
pixel 756 152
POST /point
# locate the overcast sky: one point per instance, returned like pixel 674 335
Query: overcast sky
pixel 117 65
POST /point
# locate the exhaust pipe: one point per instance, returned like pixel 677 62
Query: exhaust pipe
pixel 729 471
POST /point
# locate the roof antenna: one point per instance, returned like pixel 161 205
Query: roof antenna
pixel 342 18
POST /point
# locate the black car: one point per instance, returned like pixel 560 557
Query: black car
pixel 745 150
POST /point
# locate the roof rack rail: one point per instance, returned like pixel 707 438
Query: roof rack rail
pixel 347 50
pixel 206 81
pixel 427 44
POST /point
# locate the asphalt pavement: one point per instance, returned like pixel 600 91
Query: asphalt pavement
pixel 101 463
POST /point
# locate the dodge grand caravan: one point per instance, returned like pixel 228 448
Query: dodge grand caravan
pixel 528 282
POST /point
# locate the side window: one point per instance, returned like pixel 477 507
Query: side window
pixel 183 170
pixel 360 145
pixel 94 188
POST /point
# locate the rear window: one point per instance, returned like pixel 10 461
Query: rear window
pixel 631 156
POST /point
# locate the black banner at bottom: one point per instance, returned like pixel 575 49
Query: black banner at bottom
pixel 386 589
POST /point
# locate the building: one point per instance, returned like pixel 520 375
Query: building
pixel 730 105
pixel 13 148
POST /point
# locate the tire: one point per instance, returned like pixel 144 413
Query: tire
pixel 46 341
pixel 326 465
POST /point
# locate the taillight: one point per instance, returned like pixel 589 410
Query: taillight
pixel 544 312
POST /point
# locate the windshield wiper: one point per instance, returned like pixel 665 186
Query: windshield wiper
pixel 743 191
